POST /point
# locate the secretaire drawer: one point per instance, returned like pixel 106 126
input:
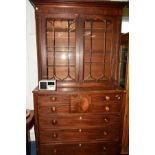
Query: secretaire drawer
pixel 49 100
pixel 94 104
pixel 76 120
pixel 102 148
pixel 98 107
pixel 79 134
pixel 107 97
pixel 53 109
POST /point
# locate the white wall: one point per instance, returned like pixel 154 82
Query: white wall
pixel 31 59
pixel 125 25
pixel 31 56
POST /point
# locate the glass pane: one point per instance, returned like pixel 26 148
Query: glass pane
pixel 61 49
pixel 97 49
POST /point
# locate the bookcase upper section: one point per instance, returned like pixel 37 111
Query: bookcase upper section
pixel 78 46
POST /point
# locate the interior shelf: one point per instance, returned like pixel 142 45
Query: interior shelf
pixel 61 65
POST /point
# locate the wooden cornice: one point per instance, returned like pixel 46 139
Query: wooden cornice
pixel 80 2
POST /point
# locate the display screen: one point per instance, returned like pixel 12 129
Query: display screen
pixel 51 83
pixel 43 85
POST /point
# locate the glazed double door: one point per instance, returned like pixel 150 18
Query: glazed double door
pixel 77 47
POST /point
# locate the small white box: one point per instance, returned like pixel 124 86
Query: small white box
pixel 47 85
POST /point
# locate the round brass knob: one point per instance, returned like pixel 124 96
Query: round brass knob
pixel 107 98
pixel 118 97
pixel 36 8
pixel 53 109
pixel 106 120
pixel 53 98
pixel 80 130
pixel 54 122
pixel 54 151
pixel 104 148
pixel 54 135
pixel 80 145
pixel 107 108
pixel 105 133
pixel 80 117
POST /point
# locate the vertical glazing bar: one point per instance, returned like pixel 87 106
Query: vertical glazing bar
pixel 91 46
pixel 111 51
pixel 47 53
pixel 54 50
pixel 68 50
pixel 68 77
pixel 104 55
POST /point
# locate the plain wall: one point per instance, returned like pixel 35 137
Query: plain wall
pixel 31 59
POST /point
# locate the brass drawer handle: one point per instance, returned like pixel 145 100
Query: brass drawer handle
pixel 53 109
pixel 104 148
pixel 80 117
pixel 107 98
pixel 80 130
pixel 107 108
pixel 54 135
pixel 106 120
pixel 54 122
pixel 105 133
pixel 80 145
pixel 53 98
pixel 118 97
pixel 54 151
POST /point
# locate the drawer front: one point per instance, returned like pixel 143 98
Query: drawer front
pixel 102 148
pixel 76 120
pixel 95 103
pixel 79 134
pixel 45 111
pixel 107 97
pixel 100 107
pixel 50 100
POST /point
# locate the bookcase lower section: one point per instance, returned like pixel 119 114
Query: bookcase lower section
pixel 79 122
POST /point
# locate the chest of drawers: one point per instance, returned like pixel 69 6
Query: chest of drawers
pixel 78 122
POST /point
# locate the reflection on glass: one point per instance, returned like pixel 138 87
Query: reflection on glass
pixel 97 48
pixel 61 49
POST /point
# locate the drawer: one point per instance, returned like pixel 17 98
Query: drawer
pixel 101 148
pixel 98 107
pixel 76 120
pixel 94 104
pixel 80 134
pixel 106 108
pixel 45 111
pixel 49 100
pixel 107 97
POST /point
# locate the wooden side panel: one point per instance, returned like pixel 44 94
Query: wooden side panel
pixel 125 138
